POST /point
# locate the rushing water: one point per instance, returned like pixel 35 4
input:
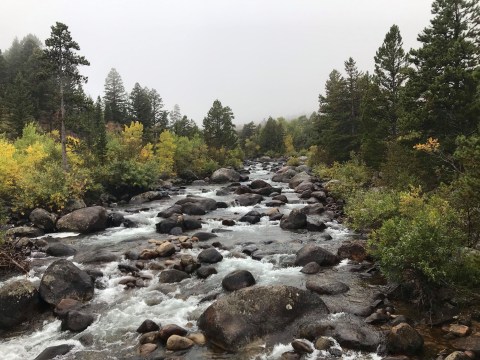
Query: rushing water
pixel 119 312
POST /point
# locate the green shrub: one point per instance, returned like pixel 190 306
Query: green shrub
pixel 424 240
pixel 368 209
pixel 293 161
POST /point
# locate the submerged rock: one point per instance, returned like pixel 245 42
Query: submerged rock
pixel 54 351
pixel 247 314
pixel 148 196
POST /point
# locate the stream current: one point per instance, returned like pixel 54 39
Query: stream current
pixel 120 311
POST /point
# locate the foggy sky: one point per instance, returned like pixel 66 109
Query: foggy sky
pixel 260 57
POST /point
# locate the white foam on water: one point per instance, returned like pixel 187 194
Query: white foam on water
pixel 30 345
pixel 59 235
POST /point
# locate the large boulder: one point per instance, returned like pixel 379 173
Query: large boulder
pixel 224 175
pixel 353 250
pixel 84 220
pixel 235 320
pixel 148 196
pixel 205 203
pixel 295 220
pixel 171 276
pixel 298 179
pixel 312 252
pixel 63 279
pixel 259 184
pixel 404 339
pixel 193 209
pixel 248 199
pixel 42 219
pixel 59 249
pixel 76 321
pixel 19 301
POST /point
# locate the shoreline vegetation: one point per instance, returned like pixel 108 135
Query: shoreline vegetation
pixel 398 148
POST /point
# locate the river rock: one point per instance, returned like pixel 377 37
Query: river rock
pixel 54 351
pixel 165 226
pixel 247 314
pixel 115 219
pixel 193 209
pixel 266 191
pixel 281 198
pixel 304 186
pixel 199 183
pixel 311 268
pixel 62 280
pixel 148 326
pixel 210 256
pixel 298 179
pixel 237 280
pixel 198 338
pixel 42 219
pixel 301 346
pixel 77 321
pixel 248 199
pixel 404 339
pixel 148 196
pixel 150 337
pixel 172 210
pixel 457 355
pixel 470 343
pixel 24 232
pixel 146 349
pixel 59 249
pixel 65 306
pixel 204 272
pixel 353 250
pixel 313 209
pixel 224 175
pixel 324 287
pixel 295 220
pixel 166 249
pixel 170 276
pixel 259 184
pixel 312 252
pixel 291 355
pixel 96 257
pixel 350 332
pixel 19 301
pixel 169 330
pixel 243 189
pixel 314 224
pixel 205 203
pixel 84 220
pixel 323 343
pixel 176 342
pixel 252 217
pixel 284 176
pixel 204 236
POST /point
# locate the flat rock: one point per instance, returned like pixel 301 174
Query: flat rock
pixel 323 287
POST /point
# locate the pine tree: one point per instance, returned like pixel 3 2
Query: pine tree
pixel 219 130
pixel 175 115
pixel 115 98
pixel 390 71
pixel 271 137
pixel 140 107
pixel 353 92
pixel 442 87
pixel 60 52
pixel 100 132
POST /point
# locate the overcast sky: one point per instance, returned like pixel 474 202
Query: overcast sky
pixel 260 57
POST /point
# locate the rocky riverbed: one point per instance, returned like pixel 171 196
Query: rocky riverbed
pixel 255 266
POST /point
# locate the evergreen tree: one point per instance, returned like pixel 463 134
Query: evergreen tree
pixel 185 127
pixel 60 52
pixel 390 71
pixel 175 115
pixel 353 94
pixel 441 90
pixel 100 132
pixel 219 130
pixel 271 137
pixel 140 108
pixel 115 98
pixel 19 106
pixel 247 132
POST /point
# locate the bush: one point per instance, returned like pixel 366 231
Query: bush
pixel 293 161
pixel 351 176
pixel 368 209
pixel 424 240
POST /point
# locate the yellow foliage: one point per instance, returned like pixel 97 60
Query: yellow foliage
pixel 411 201
pixel 146 153
pixel 288 142
pixel 166 153
pixel 9 170
pixel 432 145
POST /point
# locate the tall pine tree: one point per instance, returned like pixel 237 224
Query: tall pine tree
pixel 219 130
pixel 115 98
